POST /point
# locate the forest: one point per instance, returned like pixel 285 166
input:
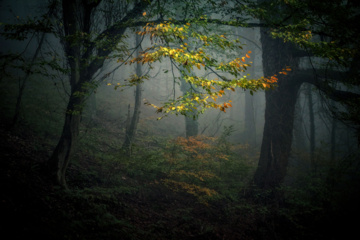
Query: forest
pixel 167 120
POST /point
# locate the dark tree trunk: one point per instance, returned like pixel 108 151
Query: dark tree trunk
pixel 79 75
pixel 277 136
pixel 60 158
pixel 279 113
pixel 77 18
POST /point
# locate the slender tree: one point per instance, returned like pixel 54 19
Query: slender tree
pixel 132 126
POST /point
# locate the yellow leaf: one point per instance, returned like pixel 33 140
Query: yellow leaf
pixel 243 59
pixel 144 14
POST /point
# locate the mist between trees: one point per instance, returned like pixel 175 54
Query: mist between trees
pixel 215 99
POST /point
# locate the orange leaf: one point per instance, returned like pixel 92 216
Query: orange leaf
pixel 247 56
pixel 243 59
pixel 266 85
pixel 144 14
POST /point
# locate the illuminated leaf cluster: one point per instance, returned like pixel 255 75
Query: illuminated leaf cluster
pixel 176 43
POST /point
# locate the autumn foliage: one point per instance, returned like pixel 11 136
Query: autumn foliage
pixel 190 49
pixel 198 165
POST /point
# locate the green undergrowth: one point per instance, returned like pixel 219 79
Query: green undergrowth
pixel 171 190
pixel 168 188
pixel 207 168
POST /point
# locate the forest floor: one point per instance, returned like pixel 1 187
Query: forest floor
pixel 32 207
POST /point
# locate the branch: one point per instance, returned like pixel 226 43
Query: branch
pixel 332 93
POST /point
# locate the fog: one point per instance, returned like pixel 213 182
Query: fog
pixel 105 152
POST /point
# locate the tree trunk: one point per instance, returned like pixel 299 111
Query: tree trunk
pixel 277 136
pixel 250 128
pixel 28 70
pixel 80 53
pixel 279 113
pixel 191 123
pixel 333 141
pixel 60 158
pixel 312 129
pixel 299 135
pixel 192 127
pixel 131 128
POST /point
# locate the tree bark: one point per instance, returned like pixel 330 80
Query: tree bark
pixel 279 113
pixel 59 160
pixel 277 137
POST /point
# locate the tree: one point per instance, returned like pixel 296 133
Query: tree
pixel 300 29
pixel 279 114
pixel 87 47
pixel 132 124
pixel 85 55
pixel 39 27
